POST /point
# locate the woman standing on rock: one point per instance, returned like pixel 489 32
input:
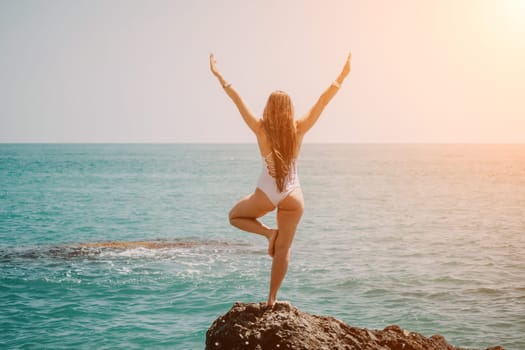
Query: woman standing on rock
pixel 279 137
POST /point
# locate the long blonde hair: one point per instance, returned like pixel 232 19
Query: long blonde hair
pixel 279 124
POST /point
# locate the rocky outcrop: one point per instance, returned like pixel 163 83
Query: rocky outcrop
pixel 254 326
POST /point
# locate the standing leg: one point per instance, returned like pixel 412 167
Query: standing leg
pixel 245 213
pixel 288 215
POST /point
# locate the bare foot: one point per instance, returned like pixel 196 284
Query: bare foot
pixel 271 302
pixel 271 242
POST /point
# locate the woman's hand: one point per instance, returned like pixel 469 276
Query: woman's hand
pixel 213 66
pixel 215 71
pixel 346 69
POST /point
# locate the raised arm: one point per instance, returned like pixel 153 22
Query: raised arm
pixel 305 123
pixel 246 114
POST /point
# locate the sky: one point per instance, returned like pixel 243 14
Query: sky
pixel 423 71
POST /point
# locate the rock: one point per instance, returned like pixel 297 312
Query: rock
pixel 254 326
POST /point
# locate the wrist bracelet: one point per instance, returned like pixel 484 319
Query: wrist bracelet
pixel 336 84
pixel 226 85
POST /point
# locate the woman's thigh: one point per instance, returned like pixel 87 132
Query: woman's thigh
pixel 288 216
pixel 254 205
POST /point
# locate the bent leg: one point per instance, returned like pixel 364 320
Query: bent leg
pixel 288 216
pixel 245 213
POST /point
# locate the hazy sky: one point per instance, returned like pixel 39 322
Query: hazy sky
pixel 138 71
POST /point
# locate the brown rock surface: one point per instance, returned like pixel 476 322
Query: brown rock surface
pixel 253 326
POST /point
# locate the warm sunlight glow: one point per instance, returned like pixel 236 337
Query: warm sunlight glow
pixel 514 11
pixel 508 16
pixel 516 7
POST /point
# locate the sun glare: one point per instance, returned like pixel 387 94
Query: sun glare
pixel 503 22
pixel 514 11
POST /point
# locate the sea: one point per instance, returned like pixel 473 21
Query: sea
pixel 430 237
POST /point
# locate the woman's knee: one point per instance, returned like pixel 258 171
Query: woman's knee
pixel 232 216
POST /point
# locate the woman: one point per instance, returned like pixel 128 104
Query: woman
pixel 279 137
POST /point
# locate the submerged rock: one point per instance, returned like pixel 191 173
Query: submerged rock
pixel 254 326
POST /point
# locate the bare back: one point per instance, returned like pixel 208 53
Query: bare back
pixel 265 145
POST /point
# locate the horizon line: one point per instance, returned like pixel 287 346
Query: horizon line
pixel 254 142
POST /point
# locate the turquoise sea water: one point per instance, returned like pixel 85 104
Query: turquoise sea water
pixel 429 237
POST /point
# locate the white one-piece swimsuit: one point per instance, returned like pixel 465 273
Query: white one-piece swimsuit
pixel 267 182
